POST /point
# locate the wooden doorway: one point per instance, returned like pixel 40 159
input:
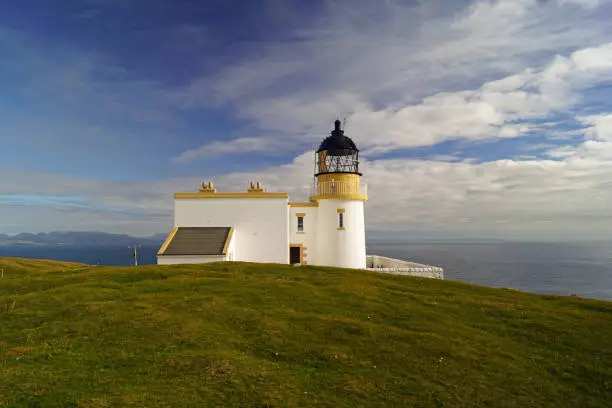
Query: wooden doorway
pixel 296 254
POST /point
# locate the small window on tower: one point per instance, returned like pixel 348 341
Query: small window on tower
pixel 300 223
pixel 340 218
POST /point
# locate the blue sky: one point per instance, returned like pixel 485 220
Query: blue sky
pixel 475 118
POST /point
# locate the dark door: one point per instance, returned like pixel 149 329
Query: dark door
pixel 294 255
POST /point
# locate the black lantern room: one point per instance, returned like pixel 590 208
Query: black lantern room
pixel 337 154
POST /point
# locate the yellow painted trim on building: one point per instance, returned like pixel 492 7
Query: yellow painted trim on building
pixel 340 229
pixel 231 195
pixel 341 197
pixel 303 204
pixel 228 240
pixel 169 239
pixel 342 177
pixel 300 233
pixel 349 187
pixel 341 210
pixel 300 214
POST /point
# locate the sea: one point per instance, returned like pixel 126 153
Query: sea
pixel 581 269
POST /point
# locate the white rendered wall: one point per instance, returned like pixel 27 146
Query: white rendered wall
pixel 309 237
pixel 179 259
pixel 261 230
pixel 231 249
pixel 343 248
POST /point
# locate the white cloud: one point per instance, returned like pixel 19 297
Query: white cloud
pixel 489 112
pixel 235 146
pixel 588 4
pixel 599 126
pixel 597 147
pixel 403 78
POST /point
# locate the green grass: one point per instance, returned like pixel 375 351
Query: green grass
pixel 252 335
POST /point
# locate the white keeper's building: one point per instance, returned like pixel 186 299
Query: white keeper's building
pixel 261 226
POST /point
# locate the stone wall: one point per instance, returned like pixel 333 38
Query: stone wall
pixel 383 264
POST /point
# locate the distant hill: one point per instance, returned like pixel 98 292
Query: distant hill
pixel 78 238
pixel 257 335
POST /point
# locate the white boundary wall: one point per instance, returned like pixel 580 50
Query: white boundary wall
pixel 398 267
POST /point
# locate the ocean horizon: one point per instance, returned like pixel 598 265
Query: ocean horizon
pixel 581 268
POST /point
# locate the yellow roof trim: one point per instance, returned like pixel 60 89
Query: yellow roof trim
pixel 303 204
pixel 231 195
pixel 167 241
pixel 228 240
pixel 341 197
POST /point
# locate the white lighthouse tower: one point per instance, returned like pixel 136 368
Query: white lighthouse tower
pixel 340 196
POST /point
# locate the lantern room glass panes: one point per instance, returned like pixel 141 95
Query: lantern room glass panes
pixel 337 161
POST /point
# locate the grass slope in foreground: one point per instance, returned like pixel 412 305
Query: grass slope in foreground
pixel 274 336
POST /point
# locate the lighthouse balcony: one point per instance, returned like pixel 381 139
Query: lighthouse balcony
pixel 346 189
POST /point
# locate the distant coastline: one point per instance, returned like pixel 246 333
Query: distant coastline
pixel 80 238
pixel 27 243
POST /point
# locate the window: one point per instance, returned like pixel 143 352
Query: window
pixel 300 223
pixel 340 218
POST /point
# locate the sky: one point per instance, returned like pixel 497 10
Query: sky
pixel 475 119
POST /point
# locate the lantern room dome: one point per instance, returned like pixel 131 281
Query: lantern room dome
pixel 337 154
pixel 337 141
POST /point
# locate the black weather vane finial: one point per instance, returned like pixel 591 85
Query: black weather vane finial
pixel 337 125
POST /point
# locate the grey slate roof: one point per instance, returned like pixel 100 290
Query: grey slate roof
pixel 198 241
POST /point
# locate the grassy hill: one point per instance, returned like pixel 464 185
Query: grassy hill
pixel 250 335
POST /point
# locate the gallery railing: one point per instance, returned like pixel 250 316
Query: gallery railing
pixel 338 188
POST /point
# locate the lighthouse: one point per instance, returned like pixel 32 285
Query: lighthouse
pixel 340 195
pixel 258 225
